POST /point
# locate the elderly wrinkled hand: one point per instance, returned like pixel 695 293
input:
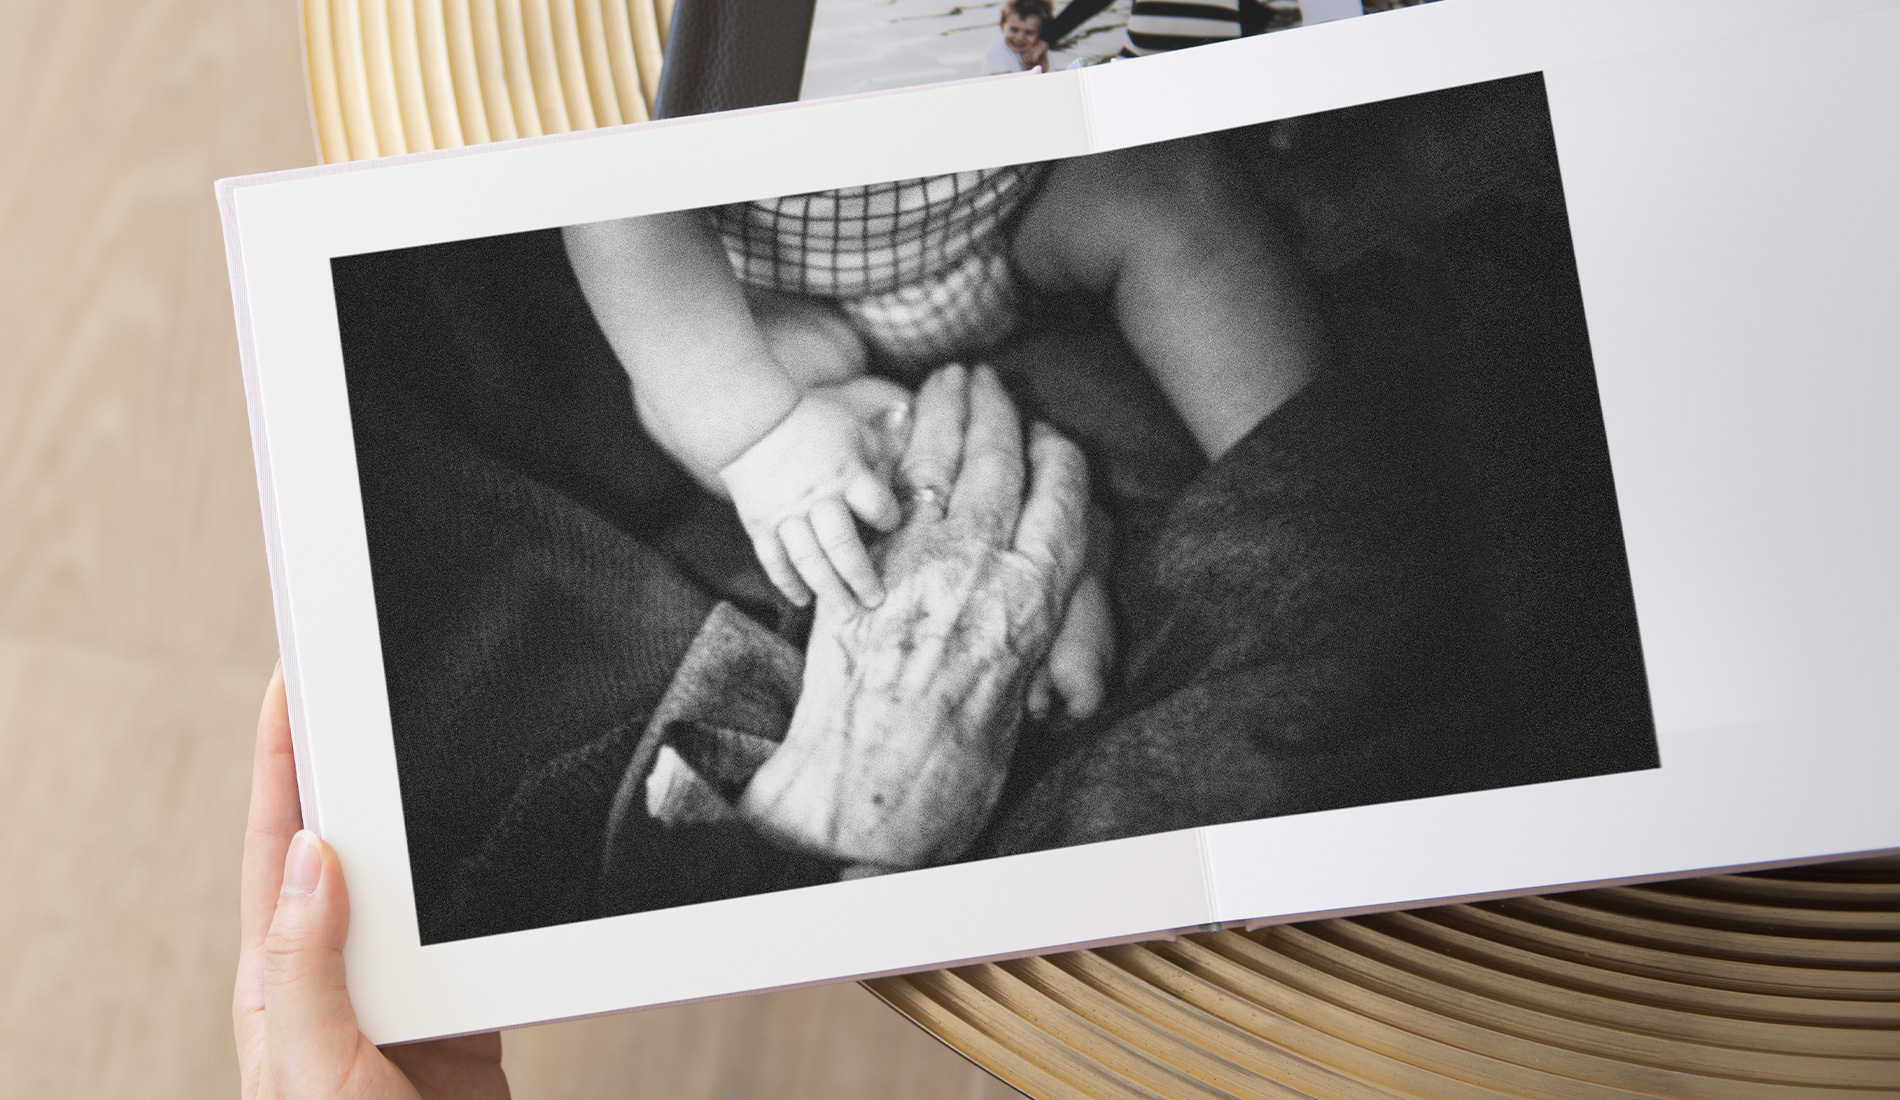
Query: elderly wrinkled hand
pixel 909 712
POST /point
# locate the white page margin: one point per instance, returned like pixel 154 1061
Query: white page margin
pixel 1733 214
pixel 1399 53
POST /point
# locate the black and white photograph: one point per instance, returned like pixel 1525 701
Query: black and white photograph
pixel 800 540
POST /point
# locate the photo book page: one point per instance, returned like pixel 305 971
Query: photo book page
pixel 1421 458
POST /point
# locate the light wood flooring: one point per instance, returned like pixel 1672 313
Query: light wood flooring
pixel 135 617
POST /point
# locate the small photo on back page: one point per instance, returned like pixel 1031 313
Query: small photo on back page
pixel 875 45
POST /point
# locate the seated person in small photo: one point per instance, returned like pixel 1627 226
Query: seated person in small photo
pixel 1021 48
pixel 747 333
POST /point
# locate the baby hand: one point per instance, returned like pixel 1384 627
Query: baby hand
pixel 800 486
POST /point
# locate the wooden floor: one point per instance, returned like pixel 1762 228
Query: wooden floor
pixel 135 621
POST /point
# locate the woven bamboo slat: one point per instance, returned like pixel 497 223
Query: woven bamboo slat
pixel 1777 984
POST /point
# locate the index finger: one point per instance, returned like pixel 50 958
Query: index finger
pixel 275 815
pixel 989 488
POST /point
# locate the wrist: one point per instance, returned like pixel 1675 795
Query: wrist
pixel 795 800
pixel 707 445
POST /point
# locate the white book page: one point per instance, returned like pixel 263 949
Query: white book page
pixel 1731 203
pixel 1404 52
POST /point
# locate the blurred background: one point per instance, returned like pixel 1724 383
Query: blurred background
pixel 135 617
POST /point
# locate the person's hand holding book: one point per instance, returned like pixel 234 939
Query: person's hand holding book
pixel 297 1037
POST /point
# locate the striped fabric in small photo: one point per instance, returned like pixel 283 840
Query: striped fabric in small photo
pixel 1156 26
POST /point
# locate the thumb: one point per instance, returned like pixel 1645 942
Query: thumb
pixel 883 411
pixel 309 1024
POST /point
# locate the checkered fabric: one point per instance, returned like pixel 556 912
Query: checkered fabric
pixel 920 266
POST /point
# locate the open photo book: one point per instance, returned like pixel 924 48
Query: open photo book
pixel 1422 458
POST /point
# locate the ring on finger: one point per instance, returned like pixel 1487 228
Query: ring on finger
pixel 929 496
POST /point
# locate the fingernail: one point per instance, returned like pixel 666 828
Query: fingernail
pixel 304 865
pixel 897 424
